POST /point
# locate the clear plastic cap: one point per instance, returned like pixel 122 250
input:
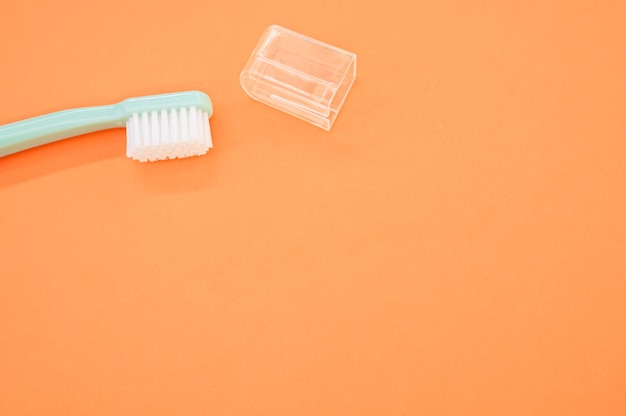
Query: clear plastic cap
pixel 299 75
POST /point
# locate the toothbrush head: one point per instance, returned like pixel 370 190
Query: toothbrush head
pixel 168 126
pixel 158 127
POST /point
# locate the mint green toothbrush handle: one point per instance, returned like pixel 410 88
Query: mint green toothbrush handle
pixel 48 128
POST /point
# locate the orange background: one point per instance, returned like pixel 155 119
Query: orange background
pixel 455 245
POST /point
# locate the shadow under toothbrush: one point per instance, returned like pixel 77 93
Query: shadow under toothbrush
pixel 174 176
pixel 60 156
pixel 168 176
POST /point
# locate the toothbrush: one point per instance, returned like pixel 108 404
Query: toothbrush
pixel 158 127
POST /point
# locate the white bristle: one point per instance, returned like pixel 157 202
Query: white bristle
pixel 168 134
pixel 184 125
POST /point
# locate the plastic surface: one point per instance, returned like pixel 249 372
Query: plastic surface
pixel 299 75
pixel 48 128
